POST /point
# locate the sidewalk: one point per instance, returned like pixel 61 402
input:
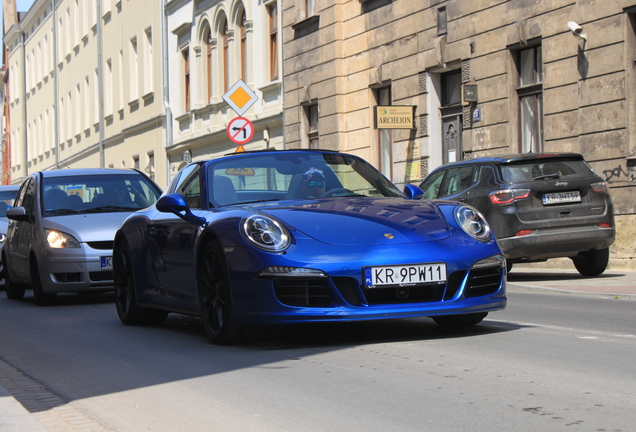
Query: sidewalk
pixel 14 417
pixel 614 283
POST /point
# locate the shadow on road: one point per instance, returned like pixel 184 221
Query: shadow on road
pixel 80 349
pixel 539 276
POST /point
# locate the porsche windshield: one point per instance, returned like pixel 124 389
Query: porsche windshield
pixel 96 194
pixel 294 175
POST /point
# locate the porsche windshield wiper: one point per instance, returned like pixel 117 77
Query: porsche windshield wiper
pixel 109 208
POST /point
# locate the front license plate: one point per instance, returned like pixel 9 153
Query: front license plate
pixel 561 197
pixel 404 275
pixel 107 263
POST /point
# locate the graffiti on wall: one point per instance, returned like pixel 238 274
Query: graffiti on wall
pixel 621 174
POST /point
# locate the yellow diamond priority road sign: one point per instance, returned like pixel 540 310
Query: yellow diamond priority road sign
pixel 240 97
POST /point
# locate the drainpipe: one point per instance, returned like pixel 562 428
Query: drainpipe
pixel 56 133
pixel 166 95
pixel 100 83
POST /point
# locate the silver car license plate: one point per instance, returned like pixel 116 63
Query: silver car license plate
pixel 107 263
pixel 404 275
pixel 561 197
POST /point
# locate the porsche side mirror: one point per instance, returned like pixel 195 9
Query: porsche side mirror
pixel 413 192
pixel 172 203
pixel 175 203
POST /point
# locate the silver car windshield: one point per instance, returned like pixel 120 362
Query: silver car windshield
pixel 97 194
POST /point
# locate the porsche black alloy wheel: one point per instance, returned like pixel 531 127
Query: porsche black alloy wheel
pixel 12 290
pixel 215 297
pixel 465 320
pixel 41 298
pixel 125 298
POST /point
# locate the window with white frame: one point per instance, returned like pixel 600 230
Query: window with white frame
pixel 134 70
pixel 226 54
pixel 243 45
pixel 272 11
pixel 79 112
pixel 121 79
pixel 150 168
pixel 310 6
pixel 185 54
pixel 311 121
pixel 385 136
pixel 87 104
pixel 207 67
pixel 530 93
pixel 108 88
pixel 148 63
pixel 95 98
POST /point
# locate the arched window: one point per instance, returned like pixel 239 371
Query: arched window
pixel 242 21
pixel 208 62
pixel 226 54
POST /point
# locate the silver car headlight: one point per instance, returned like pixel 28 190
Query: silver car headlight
pixel 3 238
pixel 58 239
pixel 473 223
pixel 265 233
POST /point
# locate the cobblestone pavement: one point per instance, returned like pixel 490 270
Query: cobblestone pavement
pixel 38 410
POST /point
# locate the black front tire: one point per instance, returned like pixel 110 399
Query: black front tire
pixel 216 297
pixel 12 290
pixel 592 263
pixel 41 298
pixel 466 320
pixel 129 312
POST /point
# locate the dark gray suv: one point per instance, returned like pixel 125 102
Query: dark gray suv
pixel 539 205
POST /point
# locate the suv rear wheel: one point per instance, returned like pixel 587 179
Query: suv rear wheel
pixel 592 263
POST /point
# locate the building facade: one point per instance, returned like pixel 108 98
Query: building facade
pixel 211 46
pixel 138 83
pixel 85 86
pixel 483 78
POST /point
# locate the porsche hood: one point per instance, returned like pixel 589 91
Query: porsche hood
pixel 364 221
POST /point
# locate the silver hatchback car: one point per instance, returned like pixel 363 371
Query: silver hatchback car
pixel 7 196
pixel 61 230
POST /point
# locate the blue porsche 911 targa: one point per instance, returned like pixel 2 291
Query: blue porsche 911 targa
pixel 274 237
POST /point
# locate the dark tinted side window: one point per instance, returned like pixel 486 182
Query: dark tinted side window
pixel 458 180
pixel 189 185
pixel 28 199
pixel 431 185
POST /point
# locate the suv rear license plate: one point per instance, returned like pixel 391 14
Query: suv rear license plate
pixel 561 197
pixel 404 275
pixel 107 263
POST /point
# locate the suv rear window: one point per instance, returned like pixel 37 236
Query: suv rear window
pixel 541 170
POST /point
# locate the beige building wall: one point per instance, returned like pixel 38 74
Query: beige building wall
pixel 72 108
pixel 339 53
pixel 196 39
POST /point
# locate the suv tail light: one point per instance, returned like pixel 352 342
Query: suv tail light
pixel 508 196
pixel 601 187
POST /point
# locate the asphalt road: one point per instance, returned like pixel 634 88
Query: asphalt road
pixel 548 362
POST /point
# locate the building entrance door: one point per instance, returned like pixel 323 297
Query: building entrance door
pixel 451 138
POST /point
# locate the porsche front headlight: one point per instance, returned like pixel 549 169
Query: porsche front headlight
pixel 473 223
pixel 265 233
pixel 3 238
pixel 58 239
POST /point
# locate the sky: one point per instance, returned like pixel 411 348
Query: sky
pixel 21 5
